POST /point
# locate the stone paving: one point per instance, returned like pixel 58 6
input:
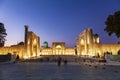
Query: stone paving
pixel 51 71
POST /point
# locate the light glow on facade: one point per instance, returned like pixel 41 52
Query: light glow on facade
pixel 26 57
pixel 86 45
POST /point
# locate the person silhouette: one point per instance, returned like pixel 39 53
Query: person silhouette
pixel 65 62
pixel 59 61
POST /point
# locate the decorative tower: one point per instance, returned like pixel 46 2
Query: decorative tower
pixel 26 41
pixel 90 36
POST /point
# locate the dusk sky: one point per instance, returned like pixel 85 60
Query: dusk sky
pixel 56 20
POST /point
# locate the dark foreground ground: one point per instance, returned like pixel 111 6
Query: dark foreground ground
pixel 51 71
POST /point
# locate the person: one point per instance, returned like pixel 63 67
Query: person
pixel 65 62
pixel 59 61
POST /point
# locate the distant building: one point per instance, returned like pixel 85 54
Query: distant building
pixel 58 48
pixel 30 48
pixel 88 44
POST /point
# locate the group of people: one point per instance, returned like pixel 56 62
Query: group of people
pixel 60 60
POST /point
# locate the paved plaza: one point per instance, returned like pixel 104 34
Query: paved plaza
pixel 51 71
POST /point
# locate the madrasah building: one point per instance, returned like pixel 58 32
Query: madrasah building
pixel 87 44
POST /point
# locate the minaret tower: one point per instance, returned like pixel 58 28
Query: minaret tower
pixel 25 38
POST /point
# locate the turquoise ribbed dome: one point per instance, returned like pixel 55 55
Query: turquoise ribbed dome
pixel 45 44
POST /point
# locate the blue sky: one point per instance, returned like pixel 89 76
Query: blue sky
pixel 56 20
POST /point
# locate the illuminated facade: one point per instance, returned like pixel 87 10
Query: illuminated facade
pixel 88 44
pixel 32 44
pixel 58 48
pixel 30 48
pixel 15 49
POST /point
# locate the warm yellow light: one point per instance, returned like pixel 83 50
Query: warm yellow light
pixel 28 42
pixel 34 55
pixel 82 42
pixel 26 57
pixel 83 53
pixel 35 41
pixel 58 46
pixel 98 40
pixel 38 54
pixel 91 54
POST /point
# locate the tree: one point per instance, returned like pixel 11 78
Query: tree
pixel 3 34
pixel 113 24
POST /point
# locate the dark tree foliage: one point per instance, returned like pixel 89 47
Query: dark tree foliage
pixel 113 24
pixel 3 34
